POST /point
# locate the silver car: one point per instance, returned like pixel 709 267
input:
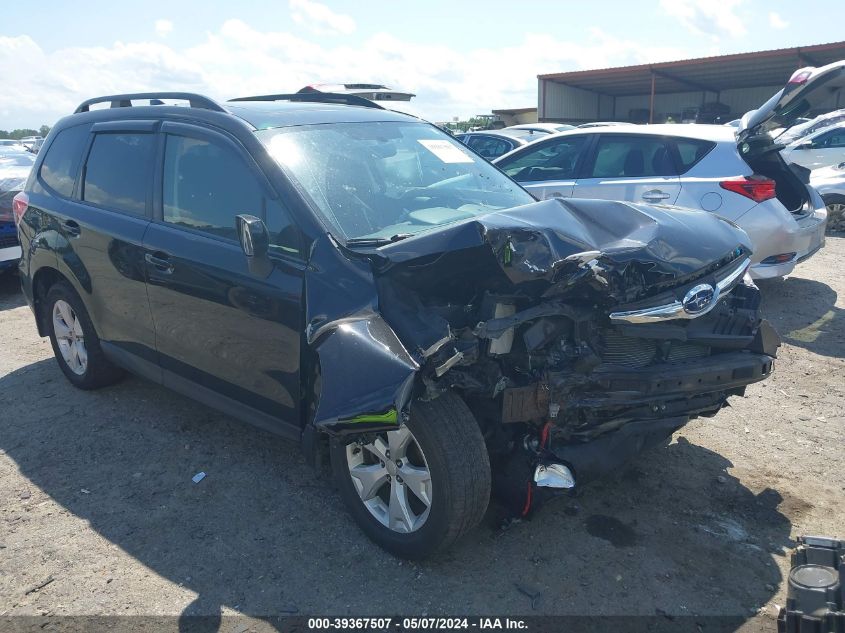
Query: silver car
pixel 735 172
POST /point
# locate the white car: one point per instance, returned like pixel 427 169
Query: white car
pixel 822 148
pixel 737 173
pixel 830 183
pixel 805 127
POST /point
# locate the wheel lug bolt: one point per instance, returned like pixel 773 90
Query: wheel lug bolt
pixel 382 464
pixel 398 463
pixel 399 479
pixel 388 478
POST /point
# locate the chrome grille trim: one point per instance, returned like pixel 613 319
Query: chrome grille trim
pixel 675 310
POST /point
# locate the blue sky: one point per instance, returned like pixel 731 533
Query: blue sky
pixel 461 58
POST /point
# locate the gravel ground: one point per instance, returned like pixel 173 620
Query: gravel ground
pixel 96 497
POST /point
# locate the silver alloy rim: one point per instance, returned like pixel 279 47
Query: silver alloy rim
pixel 69 337
pixel 392 477
pixel 835 209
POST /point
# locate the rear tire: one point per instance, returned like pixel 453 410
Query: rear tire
pixel 447 443
pixel 74 340
pixel 835 204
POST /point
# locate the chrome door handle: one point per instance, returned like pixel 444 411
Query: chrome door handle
pixel 655 195
pixel 161 264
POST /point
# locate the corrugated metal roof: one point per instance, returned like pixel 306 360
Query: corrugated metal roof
pixel 714 74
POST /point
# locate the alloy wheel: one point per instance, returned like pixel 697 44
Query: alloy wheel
pixel 69 337
pixel 392 478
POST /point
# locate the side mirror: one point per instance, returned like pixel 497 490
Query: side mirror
pixel 253 235
pixel 807 145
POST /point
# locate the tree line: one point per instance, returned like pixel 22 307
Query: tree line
pixel 22 133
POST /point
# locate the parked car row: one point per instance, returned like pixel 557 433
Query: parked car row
pixel 27 144
pixel 732 170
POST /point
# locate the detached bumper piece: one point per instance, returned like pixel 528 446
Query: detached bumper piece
pixel 815 598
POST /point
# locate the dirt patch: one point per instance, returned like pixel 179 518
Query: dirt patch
pixel 96 495
pixel 612 530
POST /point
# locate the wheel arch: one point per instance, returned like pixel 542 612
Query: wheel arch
pixel 44 279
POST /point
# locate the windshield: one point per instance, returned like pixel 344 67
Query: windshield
pixel 377 181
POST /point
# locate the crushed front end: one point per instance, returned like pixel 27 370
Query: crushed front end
pixel 574 363
pixel 578 332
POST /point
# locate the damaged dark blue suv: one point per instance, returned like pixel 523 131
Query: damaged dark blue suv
pixel 356 279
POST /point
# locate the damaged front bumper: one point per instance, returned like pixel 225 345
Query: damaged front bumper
pixel 612 396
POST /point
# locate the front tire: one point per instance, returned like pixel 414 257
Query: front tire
pixel 415 490
pixel 74 340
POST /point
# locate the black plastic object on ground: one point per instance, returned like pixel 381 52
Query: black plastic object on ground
pixel 815 598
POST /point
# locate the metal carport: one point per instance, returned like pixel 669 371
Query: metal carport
pixel 741 81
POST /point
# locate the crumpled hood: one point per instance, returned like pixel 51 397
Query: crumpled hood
pixel 536 247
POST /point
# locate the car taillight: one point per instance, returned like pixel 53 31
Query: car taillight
pixel 20 203
pixel 757 188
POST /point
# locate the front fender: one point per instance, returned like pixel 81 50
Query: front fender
pixel 366 377
pixel 366 374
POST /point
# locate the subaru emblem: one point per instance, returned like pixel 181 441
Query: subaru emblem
pixel 698 299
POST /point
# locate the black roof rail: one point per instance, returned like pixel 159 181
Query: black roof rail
pixel 315 97
pixel 125 101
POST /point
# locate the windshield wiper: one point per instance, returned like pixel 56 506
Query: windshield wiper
pixel 377 241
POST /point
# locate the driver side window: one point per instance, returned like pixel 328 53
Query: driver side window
pixel 207 184
pixel 553 161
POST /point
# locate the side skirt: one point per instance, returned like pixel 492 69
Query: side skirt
pixel 151 371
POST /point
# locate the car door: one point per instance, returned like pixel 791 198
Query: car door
pixel 824 150
pixel 547 168
pixel 228 326
pixel 100 233
pixel 631 167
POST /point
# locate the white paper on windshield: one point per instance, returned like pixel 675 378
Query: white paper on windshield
pixel 445 151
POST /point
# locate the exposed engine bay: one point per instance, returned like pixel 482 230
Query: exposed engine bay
pixel 578 332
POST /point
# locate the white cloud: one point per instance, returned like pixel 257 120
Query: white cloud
pixel 777 22
pixel 238 59
pixel 705 17
pixel 163 27
pixel 319 18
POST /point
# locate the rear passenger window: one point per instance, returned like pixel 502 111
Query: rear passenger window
pixel 632 157
pixel 117 173
pixel 207 184
pixel 691 151
pixel 60 165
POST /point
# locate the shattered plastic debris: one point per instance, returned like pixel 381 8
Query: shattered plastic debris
pixel 198 477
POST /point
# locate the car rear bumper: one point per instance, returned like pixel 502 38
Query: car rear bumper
pixel 774 232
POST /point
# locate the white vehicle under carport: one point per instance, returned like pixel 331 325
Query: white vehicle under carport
pixel 822 148
pixel 737 173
